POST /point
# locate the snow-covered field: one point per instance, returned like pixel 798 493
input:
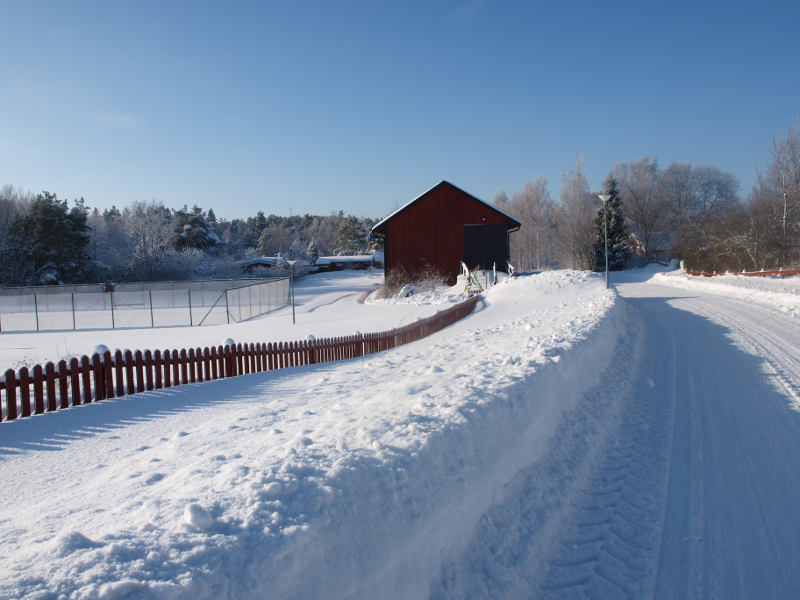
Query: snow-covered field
pixel 562 441
pixel 325 307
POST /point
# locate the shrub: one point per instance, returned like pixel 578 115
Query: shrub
pixel 423 279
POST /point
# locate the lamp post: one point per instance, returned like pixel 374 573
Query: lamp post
pixel 291 286
pixel 605 198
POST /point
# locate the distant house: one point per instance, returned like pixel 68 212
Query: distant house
pixel 443 227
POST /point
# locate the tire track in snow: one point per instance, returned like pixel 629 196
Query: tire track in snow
pixel 676 478
pixel 611 540
pixel 573 523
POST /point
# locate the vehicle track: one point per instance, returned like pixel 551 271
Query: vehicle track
pixel 688 488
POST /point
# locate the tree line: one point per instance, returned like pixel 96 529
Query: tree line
pixel 686 211
pixel 48 241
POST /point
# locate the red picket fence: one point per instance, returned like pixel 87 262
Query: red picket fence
pixel 781 273
pixel 81 381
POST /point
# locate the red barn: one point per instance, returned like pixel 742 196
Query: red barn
pixel 443 227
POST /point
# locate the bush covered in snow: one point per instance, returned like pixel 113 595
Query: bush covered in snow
pixel 404 280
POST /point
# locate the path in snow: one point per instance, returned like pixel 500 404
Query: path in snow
pixel 678 478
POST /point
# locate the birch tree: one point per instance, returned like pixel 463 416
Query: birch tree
pixel 575 219
pixel 150 233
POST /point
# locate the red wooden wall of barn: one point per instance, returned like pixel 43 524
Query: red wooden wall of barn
pixel 431 230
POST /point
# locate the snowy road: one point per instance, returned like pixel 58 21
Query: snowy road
pixel 683 483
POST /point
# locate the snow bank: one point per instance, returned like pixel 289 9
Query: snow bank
pixel 781 294
pixel 347 480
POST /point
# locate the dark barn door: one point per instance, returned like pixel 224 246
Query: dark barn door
pixel 486 245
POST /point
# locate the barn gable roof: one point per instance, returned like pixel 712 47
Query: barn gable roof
pixel 515 224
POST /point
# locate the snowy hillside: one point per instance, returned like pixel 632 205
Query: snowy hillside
pixel 357 479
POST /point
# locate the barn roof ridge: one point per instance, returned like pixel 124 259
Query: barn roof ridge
pixel 385 220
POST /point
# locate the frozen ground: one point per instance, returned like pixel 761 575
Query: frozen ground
pixel 563 441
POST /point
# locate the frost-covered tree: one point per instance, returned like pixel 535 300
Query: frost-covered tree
pixel 312 252
pixel 192 230
pixel 352 237
pixel 575 219
pixel 150 234
pixel 296 251
pixel 49 242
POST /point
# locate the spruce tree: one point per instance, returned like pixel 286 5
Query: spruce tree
pixel 313 252
pixel 618 248
pixel 50 241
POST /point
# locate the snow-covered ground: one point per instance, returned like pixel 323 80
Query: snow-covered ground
pixel 562 441
pixel 325 306
pixel 772 291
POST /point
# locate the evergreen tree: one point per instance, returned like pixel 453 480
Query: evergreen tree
pixel 49 243
pixel 111 214
pixel 313 252
pixel 192 230
pixel 295 251
pixel 618 248
pixel 352 237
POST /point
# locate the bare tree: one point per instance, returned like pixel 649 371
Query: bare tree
pixel 532 247
pixel 150 233
pixel 717 191
pixel 679 190
pixel 777 190
pixel 697 200
pixel 642 202
pixel 575 219
pixel 13 202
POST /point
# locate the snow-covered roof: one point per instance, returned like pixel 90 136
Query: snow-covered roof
pixel 322 260
pixel 326 260
pixel 426 192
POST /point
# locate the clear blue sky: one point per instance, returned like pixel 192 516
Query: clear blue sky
pixel 324 106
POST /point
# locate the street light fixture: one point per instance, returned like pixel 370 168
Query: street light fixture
pixel 605 198
pixel 291 286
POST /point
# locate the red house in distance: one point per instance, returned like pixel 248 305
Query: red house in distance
pixel 443 227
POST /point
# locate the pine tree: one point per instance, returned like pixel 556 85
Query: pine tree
pixel 352 237
pixel 50 241
pixel 618 248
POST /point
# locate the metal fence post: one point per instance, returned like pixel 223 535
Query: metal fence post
pixel 36 308
pixel 73 311
pixel 190 306
pixel 227 308
pixel 152 320
pixel 112 310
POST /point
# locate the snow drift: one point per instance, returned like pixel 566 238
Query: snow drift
pixel 348 480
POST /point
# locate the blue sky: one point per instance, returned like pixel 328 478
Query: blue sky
pixel 356 106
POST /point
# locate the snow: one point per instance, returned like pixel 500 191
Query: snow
pixel 562 441
pixel 323 308
pixel 325 480
pixel 769 290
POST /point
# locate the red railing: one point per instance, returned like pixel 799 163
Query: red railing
pixel 81 381
pixel 781 273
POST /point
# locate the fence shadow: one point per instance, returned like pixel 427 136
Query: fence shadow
pixel 53 432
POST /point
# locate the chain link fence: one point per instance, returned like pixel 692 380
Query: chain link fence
pixel 160 304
